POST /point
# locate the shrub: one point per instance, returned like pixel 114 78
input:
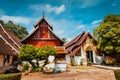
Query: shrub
pixel 117 74
pixel 89 63
pixel 73 62
pixel 81 62
pixel 14 76
pixel 109 60
pixel 37 69
pixel 25 66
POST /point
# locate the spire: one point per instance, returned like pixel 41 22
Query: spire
pixel 43 14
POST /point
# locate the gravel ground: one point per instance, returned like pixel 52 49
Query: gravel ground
pixel 74 73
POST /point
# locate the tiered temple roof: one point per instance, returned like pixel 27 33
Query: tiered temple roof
pixel 75 44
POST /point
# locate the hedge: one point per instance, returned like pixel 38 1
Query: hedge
pixel 117 74
pixel 13 76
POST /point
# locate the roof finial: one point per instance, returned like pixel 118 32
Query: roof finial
pixel 43 14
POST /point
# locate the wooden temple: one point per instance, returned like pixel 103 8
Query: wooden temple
pixel 82 49
pixel 43 35
pixel 9 47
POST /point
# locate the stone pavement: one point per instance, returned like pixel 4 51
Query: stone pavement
pixel 106 67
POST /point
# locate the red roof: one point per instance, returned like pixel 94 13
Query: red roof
pixel 74 45
pixel 61 50
pixel 9 43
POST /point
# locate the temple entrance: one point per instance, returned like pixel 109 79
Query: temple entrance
pixel 90 56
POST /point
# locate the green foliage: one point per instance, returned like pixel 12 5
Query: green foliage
pixel 18 30
pixel 27 52
pixel 25 66
pixel 15 76
pixel 73 61
pixel 89 63
pixel 36 69
pixel 44 52
pixel 2 22
pixel 64 41
pixel 108 34
pixel 117 74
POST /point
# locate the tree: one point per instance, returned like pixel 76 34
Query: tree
pixel 64 40
pixel 44 52
pixel 2 22
pixel 18 30
pixel 108 34
pixel 27 53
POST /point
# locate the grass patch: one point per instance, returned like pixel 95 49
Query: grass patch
pixel 14 76
pixel 37 69
pixel 25 66
pixel 117 74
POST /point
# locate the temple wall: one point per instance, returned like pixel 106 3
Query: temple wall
pixel 87 45
pixel 44 32
pixel 1 60
pixel 6 63
pixel 41 43
pixel 10 61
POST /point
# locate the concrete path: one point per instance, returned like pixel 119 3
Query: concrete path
pixel 106 67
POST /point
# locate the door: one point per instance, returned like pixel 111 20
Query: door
pixel 90 56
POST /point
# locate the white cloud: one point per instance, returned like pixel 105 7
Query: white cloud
pixel 66 28
pixel 62 27
pixel 49 8
pixel 23 21
pixel 78 29
pixel 16 19
pixel 93 25
pixel 81 26
pixel 96 22
pixel 89 3
pixel 59 32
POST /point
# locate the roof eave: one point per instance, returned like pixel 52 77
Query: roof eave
pixel 43 18
pixel 55 35
pixel 29 35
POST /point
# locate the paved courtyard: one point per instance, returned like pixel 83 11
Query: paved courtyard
pixel 74 73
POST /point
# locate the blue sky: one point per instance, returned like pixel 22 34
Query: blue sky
pixel 68 17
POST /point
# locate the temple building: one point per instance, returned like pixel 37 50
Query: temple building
pixel 82 49
pixel 43 35
pixel 9 47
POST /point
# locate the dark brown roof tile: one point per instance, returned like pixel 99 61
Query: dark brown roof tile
pixel 74 45
pixel 10 44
